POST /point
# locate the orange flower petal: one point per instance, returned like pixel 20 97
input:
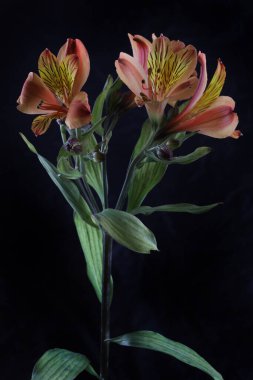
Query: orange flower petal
pixel 141 48
pixel 75 46
pixel 41 123
pixel 132 74
pixel 34 91
pixel 79 113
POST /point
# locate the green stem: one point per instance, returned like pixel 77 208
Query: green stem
pixel 129 175
pixel 106 289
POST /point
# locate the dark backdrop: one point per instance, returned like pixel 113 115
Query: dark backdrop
pixel 199 288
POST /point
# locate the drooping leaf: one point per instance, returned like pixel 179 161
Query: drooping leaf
pixel 127 230
pixel 93 169
pixel 177 207
pixel 68 189
pixel 97 111
pixel 147 176
pixel 91 239
pixel 60 364
pixel 191 157
pixel 157 342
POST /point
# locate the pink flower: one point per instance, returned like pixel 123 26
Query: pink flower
pixel 55 94
pixel 159 73
pixel 207 112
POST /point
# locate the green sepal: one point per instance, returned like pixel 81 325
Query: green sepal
pixel 177 207
pixel 153 341
pixel 60 364
pixel 127 230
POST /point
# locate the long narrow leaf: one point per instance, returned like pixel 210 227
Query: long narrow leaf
pixel 156 342
pixel 92 245
pixel 66 187
pixel 177 207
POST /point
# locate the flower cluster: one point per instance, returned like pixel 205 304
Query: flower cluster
pixel 160 73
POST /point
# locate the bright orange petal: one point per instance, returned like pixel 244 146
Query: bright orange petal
pixel 79 113
pixel 132 74
pixel 34 91
pixel 41 123
pixel 141 48
pixel 75 46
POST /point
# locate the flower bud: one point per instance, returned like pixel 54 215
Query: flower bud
pixel 164 152
pixel 97 156
pixel 73 145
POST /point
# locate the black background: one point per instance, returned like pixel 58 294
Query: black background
pixel 199 288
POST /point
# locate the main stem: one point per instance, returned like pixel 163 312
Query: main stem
pixel 106 290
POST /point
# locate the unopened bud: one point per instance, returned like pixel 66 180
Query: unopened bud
pixel 97 156
pixel 73 145
pixel 164 152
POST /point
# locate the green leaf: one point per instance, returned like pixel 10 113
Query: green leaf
pixel 192 157
pixel 144 180
pixel 177 207
pixel 97 110
pixel 147 176
pixel 93 169
pixel 64 166
pixel 127 230
pixel 91 239
pixel 154 341
pixel 143 139
pixel 60 364
pixel 66 186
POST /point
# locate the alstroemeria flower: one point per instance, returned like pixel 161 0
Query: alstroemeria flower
pixel 159 73
pixel 207 112
pixel 55 94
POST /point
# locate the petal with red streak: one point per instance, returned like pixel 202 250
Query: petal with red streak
pixel 34 91
pixel 79 113
pixel 141 48
pixel 41 123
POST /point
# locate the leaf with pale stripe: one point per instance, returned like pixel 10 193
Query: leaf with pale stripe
pixel 157 342
pixel 60 364
pixel 127 230
pixel 91 239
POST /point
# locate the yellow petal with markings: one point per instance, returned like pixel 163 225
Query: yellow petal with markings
pixel 58 77
pixel 212 91
pixel 41 123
